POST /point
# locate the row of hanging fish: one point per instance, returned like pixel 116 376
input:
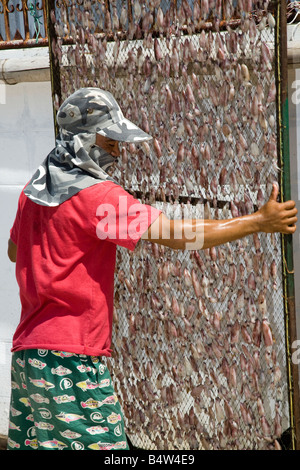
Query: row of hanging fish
pixel 154 15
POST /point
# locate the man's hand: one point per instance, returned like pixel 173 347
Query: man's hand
pixel 277 216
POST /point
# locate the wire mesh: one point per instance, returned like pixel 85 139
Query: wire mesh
pixel 199 339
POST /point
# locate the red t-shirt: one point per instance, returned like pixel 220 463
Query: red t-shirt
pixel 65 267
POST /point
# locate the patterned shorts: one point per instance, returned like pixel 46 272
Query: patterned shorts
pixel 62 400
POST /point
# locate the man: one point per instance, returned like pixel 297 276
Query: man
pixel 71 215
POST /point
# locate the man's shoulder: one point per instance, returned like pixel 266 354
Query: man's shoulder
pixel 101 190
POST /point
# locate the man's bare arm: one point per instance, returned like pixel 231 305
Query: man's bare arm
pixel 200 234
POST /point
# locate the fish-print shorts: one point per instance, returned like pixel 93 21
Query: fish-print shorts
pixel 63 401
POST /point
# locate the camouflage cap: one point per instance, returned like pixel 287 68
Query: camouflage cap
pixel 92 110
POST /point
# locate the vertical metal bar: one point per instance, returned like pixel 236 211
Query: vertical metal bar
pixel 25 19
pixel 6 21
pixel 44 8
pixel 287 242
pixel 54 65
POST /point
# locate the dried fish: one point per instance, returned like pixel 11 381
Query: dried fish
pixel 196 283
pixel 272 92
pixel 245 73
pixel 267 333
pixel 271 20
pixel 262 304
pixel 256 333
pixel 245 334
pixel 265 426
pixel 273 272
pixel 251 281
pixel 159 24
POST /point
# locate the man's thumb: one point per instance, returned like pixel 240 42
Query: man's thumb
pixel 275 192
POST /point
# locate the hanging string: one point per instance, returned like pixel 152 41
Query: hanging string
pixel 36 18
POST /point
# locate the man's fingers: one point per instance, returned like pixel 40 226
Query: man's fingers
pixel 291 230
pixel 288 205
pixel 291 212
pixel 275 191
pixel 291 220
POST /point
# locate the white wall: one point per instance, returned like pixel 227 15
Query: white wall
pixel 26 137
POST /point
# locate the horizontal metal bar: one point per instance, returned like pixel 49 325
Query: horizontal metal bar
pixel 20 43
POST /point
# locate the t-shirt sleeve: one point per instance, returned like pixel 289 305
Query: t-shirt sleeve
pixel 122 219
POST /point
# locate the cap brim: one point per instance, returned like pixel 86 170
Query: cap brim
pixel 124 131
